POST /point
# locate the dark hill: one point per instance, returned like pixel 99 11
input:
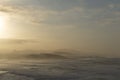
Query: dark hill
pixel 44 56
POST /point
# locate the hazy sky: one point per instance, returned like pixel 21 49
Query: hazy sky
pixel 91 26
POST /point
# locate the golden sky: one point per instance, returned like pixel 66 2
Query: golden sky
pixel 90 26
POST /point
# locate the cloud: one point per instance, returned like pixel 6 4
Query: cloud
pixel 7 9
pixel 17 41
pixel 33 14
pixel 64 12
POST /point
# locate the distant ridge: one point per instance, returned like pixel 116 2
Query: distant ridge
pixel 45 56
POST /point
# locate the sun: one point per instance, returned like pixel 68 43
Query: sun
pixel 2 23
pixel 2 26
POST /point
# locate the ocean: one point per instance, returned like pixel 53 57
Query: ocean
pixel 84 68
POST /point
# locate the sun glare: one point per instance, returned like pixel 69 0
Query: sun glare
pixel 2 26
pixel 2 23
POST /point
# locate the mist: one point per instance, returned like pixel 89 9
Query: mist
pixel 59 39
